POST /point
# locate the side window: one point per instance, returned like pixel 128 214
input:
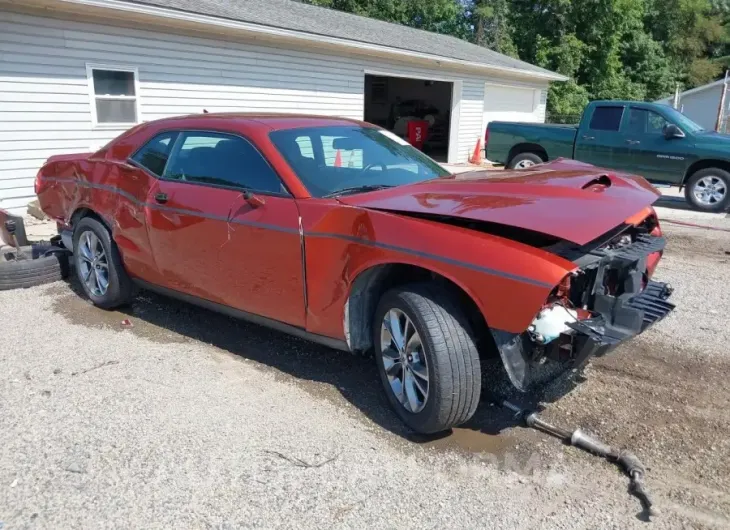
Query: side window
pixel 154 154
pixel 656 123
pixel 347 157
pixel 643 121
pixel 606 118
pixel 221 159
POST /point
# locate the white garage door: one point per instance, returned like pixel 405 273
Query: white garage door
pixel 513 103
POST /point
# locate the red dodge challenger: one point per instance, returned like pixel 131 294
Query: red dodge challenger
pixel 340 232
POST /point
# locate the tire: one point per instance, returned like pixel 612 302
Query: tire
pixel 712 176
pixel 448 349
pixel 524 160
pixel 33 268
pixel 119 290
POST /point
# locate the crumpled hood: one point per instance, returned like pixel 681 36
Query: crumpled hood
pixel 557 199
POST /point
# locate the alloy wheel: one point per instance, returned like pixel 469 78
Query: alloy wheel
pixel 524 164
pixel 404 360
pixel 92 264
pixel 710 190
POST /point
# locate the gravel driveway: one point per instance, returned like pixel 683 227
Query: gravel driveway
pixel 189 419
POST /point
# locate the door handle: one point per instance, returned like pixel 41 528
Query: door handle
pixel 161 198
pixel 633 142
pixel 586 137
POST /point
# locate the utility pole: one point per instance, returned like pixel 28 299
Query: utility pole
pixel 675 103
pixel 721 108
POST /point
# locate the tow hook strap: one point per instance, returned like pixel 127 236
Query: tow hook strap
pixel 628 461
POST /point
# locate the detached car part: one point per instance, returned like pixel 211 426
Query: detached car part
pixel 628 461
pixel 23 265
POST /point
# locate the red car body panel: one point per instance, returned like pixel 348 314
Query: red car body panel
pixel 294 259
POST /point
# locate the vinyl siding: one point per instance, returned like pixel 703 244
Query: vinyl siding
pixel 45 106
pixel 470 118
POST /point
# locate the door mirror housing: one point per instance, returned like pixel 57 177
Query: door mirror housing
pixel 672 131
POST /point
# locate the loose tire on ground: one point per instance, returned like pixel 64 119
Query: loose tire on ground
pixel 24 271
pixel 524 160
pixel 120 289
pixel 713 176
pixel 454 371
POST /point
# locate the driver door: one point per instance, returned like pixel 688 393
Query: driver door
pixel 653 156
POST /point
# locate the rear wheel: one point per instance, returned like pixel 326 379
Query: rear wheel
pixel 709 190
pixel 99 266
pixel 426 357
pixel 524 160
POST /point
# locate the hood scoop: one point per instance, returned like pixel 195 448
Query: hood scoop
pixel 598 184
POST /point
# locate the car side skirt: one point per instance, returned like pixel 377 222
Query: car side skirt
pixel 336 344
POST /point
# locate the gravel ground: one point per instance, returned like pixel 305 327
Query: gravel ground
pixel 189 419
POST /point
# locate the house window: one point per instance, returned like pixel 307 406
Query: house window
pixel 114 93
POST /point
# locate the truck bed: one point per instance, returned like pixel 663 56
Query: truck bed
pixel 557 140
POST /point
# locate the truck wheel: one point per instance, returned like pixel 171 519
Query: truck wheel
pixel 709 190
pixel 524 160
pixel 99 266
pixel 426 357
pixel 31 267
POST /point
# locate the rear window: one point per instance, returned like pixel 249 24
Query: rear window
pixel 606 118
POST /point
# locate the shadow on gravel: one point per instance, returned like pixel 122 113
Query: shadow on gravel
pixel 323 372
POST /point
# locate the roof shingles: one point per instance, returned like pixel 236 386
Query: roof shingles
pixel 305 18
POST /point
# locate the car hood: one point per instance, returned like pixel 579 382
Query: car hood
pixel 713 139
pixel 568 200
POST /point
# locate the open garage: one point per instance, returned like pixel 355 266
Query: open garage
pixel 418 110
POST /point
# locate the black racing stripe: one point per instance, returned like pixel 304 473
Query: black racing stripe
pixel 466 265
pixel 353 239
pixel 181 211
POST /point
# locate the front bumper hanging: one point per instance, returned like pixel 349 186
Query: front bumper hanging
pixel 597 336
pixel 612 285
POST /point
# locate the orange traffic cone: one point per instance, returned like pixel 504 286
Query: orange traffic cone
pixel 338 159
pixel 476 157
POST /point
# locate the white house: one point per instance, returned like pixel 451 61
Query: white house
pixel 700 104
pixel 76 73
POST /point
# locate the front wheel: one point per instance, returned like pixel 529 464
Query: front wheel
pixel 709 190
pixel 426 357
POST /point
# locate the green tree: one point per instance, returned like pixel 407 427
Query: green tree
pixel 490 23
pixel 610 49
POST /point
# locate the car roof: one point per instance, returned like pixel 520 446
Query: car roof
pixel 270 121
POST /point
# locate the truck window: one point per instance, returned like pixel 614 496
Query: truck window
pixel 606 118
pixel 642 121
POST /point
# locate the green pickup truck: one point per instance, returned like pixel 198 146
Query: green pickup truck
pixel 647 139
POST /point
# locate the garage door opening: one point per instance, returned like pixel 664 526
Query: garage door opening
pixel 394 102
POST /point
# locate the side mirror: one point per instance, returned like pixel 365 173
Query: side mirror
pixel 672 131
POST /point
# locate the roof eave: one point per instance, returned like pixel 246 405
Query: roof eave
pixel 185 16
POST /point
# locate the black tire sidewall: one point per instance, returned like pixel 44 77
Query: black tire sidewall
pixel 696 177
pixel 422 421
pixel 524 156
pixel 114 294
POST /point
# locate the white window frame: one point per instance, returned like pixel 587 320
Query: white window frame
pixel 90 67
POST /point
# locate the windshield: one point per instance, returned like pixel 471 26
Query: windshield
pixel 683 121
pixel 350 159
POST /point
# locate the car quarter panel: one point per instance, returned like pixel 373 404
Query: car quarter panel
pixel 114 191
pixel 508 281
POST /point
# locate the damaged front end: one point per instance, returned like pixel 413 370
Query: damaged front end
pixel 609 298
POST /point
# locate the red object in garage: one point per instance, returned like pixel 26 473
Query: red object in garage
pixel 417 133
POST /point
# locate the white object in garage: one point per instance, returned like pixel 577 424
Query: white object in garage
pixel 514 103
